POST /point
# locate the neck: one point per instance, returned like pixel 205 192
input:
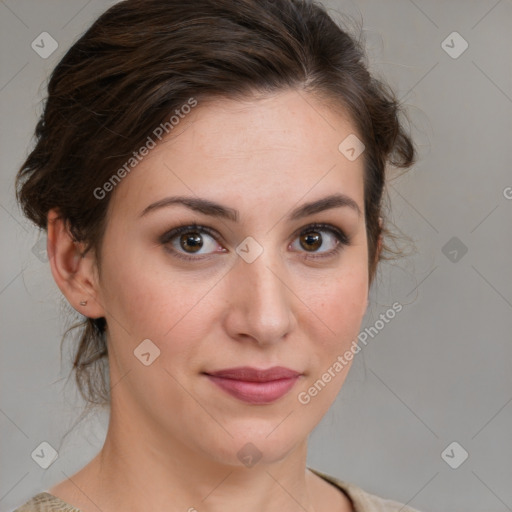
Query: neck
pixel 141 469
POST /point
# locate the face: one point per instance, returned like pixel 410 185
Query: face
pixel 259 281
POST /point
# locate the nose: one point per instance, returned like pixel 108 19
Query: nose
pixel 261 302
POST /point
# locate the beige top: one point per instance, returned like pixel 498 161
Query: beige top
pixel 361 500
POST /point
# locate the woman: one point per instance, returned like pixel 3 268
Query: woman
pixel 210 176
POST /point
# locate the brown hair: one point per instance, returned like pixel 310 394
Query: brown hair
pixel 143 59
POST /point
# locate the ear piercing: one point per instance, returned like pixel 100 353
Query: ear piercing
pixel 83 303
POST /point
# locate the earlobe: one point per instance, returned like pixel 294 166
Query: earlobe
pixel 74 272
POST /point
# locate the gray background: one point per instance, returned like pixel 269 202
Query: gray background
pixel 441 371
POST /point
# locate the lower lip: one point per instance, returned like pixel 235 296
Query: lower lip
pixel 255 392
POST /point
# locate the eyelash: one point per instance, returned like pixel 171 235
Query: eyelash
pixel 341 237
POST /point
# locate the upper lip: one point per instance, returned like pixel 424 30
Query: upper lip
pixel 249 374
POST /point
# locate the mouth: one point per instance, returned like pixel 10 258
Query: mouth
pixel 253 385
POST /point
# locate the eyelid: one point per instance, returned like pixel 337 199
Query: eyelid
pixel 322 226
pixel 168 235
pixel 342 240
pixel 166 238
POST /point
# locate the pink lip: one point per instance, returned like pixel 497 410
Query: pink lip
pixel 253 385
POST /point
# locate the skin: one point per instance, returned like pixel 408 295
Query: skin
pixel 173 436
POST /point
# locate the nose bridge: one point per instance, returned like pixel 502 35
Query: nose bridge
pixel 261 300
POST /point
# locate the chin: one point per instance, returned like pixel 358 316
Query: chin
pixel 254 443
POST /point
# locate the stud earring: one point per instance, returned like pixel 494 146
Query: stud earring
pixel 83 303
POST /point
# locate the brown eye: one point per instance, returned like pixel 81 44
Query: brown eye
pixel 311 241
pixel 192 241
pixel 320 241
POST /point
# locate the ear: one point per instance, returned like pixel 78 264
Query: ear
pixel 74 272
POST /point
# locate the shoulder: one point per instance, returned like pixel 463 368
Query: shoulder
pixel 46 502
pixel 362 500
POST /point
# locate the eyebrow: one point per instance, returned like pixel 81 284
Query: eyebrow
pixel 217 210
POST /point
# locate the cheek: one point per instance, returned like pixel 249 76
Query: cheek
pixel 339 304
pixel 152 305
pixel 338 307
pixel 143 297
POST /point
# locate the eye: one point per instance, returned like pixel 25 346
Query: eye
pixel 195 242
pixel 311 239
pixel 191 242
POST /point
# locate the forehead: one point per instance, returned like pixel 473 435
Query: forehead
pixel 277 148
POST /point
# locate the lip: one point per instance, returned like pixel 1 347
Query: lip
pixel 254 385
